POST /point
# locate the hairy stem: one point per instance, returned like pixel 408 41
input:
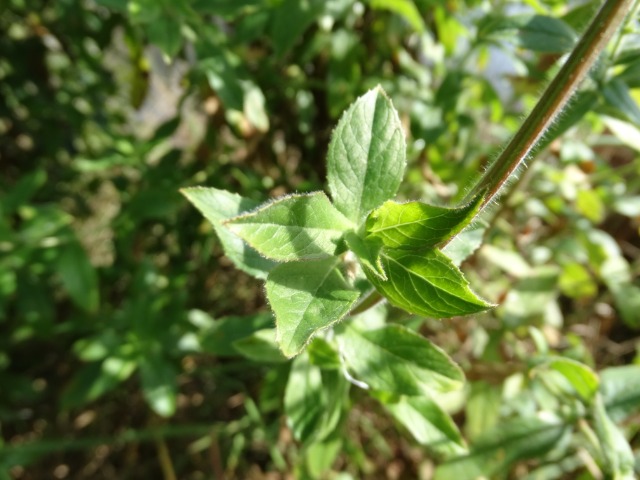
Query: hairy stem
pixel 582 58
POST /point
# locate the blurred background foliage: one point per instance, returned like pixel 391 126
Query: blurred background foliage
pixel 132 348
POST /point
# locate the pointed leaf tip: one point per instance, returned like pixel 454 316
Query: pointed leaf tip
pixel 367 156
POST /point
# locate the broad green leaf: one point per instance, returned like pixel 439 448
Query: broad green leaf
pixel 223 79
pixel 260 346
pixel 620 389
pixel 396 359
pixel 302 403
pixel 313 400
pixel 428 424
pixel 617 457
pixel 416 225
pixel 307 297
pixel 583 379
pixel 368 253
pixel 320 456
pixel 507 443
pixel 367 156
pixel 405 8
pixel 617 95
pixel 482 409
pixel 322 354
pixel 220 338
pixel 159 384
pixel 298 227
pixel 79 277
pixel 534 32
pixel 426 283
pixel 219 205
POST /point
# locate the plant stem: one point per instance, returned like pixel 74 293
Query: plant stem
pixel 582 58
pixel 592 43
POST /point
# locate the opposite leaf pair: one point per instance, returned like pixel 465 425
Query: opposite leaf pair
pixel 396 244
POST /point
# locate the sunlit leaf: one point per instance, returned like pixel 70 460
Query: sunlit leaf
pixel 367 156
pixel 307 297
pixel 428 424
pixel 396 359
pixel 416 225
pixel 218 205
pixel 426 283
pixel 297 227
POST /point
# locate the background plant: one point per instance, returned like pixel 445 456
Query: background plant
pixel 107 277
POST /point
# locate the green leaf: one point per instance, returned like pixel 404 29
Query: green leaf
pixel 482 409
pixel 620 389
pixel 416 225
pixel 313 400
pixel 367 156
pixel 323 355
pixel 165 33
pixel 219 339
pixel 223 79
pixel 159 384
pixel 79 277
pixel 396 359
pixel 405 8
pixel 219 205
pixel 582 378
pixel 307 297
pixel 290 20
pixel 428 424
pixel 617 456
pixel 368 253
pixel 539 33
pixel 260 346
pixel 426 283
pixel 617 95
pixel 321 455
pixel 507 443
pixel 297 227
